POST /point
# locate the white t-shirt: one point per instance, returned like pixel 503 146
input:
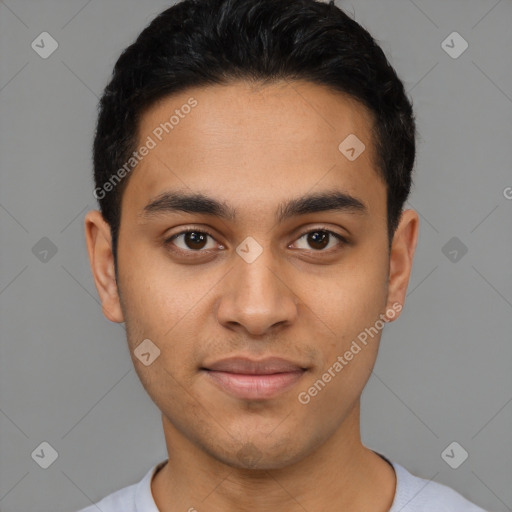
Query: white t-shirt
pixel 413 494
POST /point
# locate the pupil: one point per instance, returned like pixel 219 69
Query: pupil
pixel 196 237
pixel 323 236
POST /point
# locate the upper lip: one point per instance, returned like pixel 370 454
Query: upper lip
pixel 248 366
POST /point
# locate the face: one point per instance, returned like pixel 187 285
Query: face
pixel 287 257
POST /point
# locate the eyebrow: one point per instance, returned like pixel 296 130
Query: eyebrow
pixel 171 202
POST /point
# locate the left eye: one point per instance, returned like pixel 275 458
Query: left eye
pixel 319 238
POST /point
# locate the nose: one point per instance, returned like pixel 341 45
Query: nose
pixel 257 296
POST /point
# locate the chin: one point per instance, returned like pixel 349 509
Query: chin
pixel 254 455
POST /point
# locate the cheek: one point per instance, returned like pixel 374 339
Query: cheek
pixel 156 294
pixel 162 302
pixel 346 320
pixel 348 347
pixel 352 298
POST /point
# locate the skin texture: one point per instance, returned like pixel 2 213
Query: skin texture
pixel 254 147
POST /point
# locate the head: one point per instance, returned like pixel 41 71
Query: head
pixel 251 123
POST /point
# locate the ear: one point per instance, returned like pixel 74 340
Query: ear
pixel 400 260
pixel 99 246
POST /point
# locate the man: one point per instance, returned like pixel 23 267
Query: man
pixel 252 159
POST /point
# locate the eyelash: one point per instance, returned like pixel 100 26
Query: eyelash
pixel 203 231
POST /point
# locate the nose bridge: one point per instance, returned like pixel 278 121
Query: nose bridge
pixel 256 297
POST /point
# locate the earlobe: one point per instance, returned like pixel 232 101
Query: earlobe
pixel 99 247
pixel 401 259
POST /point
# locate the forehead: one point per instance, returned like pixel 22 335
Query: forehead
pixel 252 145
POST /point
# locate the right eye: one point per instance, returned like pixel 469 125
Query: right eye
pixel 192 240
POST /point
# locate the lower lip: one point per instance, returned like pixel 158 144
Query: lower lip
pixel 254 387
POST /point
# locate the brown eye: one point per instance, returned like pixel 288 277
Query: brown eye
pixel 195 240
pixel 319 239
pixel 191 240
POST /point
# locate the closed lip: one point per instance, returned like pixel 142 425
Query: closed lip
pixel 247 366
pixel 252 379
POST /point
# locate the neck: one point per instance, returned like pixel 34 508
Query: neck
pixel 341 474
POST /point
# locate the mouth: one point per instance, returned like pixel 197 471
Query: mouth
pixel 248 379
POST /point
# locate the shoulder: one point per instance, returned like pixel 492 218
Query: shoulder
pixel 415 494
pixel 122 500
pixel 133 498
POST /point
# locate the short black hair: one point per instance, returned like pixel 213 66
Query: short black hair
pixel 207 42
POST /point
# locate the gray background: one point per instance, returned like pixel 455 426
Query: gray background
pixel 444 369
